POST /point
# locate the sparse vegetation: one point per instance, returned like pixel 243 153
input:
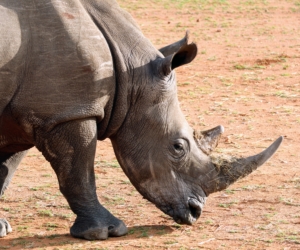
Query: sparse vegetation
pixel 246 77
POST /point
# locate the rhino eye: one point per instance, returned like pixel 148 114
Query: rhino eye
pixel 179 148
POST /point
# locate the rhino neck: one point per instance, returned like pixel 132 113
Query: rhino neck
pixel 130 50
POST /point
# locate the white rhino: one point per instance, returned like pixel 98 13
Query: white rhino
pixel 74 72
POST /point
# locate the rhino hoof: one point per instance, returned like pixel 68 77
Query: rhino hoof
pixel 5 228
pixel 117 231
pixel 101 233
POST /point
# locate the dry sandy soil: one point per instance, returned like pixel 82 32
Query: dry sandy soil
pixel 247 78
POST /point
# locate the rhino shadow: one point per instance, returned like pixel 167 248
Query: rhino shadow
pixel 56 240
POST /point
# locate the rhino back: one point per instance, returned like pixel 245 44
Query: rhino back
pixel 67 70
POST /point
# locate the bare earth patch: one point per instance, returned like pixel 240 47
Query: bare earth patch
pixel 247 78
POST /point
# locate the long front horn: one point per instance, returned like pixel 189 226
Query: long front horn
pixel 230 170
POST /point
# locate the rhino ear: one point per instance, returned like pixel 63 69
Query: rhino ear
pixel 174 47
pixel 184 55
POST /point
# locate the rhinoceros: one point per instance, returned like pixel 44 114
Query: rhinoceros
pixel 74 72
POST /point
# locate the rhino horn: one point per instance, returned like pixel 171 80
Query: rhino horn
pixel 229 171
pixel 174 47
pixel 208 140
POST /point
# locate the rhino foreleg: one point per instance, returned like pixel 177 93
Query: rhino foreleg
pixel 8 165
pixel 70 148
pixel 5 228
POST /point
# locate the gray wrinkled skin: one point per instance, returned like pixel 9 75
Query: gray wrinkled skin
pixel 74 72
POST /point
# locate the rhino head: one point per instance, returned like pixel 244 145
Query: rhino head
pixel 167 161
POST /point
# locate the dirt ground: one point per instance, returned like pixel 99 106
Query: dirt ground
pixel 247 78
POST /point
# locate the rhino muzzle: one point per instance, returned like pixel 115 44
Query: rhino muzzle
pixel 191 213
pixel 224 172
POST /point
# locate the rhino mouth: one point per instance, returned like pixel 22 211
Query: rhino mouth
pixel 191 213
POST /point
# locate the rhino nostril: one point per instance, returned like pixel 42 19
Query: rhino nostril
pixel 195 208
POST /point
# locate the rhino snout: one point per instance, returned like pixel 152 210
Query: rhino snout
pixel 191 213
